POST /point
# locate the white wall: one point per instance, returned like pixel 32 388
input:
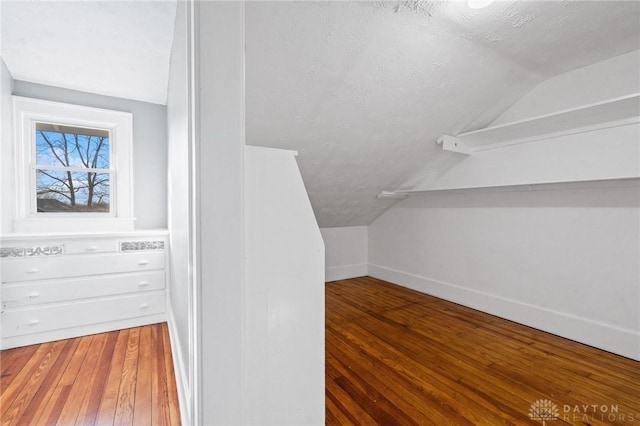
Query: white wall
pixel 346 252
pixel 220 213
pixel 149 146
pixel 597 154
pixel 179 211
pixel 607 151
pixel 6 165
pixel 594 83
pixel 284 295
pixel 7 177
pixel 565 261
pixel 565 258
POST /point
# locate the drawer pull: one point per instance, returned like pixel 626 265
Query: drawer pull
pixel 33 295
pixel 143 262
pixel 33 271
pixel 34 322
pixel 143 283
pixel 92 248
pixel 144 305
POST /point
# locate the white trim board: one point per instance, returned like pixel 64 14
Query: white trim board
pixel 620 341
pixel 335 273
pixel 119 125
pixel 84 330
pixel 610 113
pixel 179 369
pixel 604 154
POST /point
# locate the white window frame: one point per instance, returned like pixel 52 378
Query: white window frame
pixel 27 112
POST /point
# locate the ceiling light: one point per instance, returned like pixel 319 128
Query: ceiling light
pixel 478 4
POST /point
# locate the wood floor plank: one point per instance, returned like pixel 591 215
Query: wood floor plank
pixel 23 377
pixel 46 390
pixel 437 376
pixel 464 355
pixel 562 367
pixel 109 398
pixel 384 385
pixel 127 391
pixel 95 386
pixel 442 363
pixel 23 398
pixel 172 390
pixel 73 408
pixel 335 415
pixel 161 414
pixel 99 379
pixel 158 411
pixel 143 401
pixel 346 405
pixel 431 398
pixel 59 395
pixel 12 363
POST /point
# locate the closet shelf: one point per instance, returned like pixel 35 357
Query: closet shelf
pixel 613 112
pixel 539 186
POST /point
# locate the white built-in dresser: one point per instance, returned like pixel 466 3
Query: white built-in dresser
pixel 58 286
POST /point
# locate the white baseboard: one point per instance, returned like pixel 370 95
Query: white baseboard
pixel 621 341
pixel 84 330
pixel 335 273
pixel 180 369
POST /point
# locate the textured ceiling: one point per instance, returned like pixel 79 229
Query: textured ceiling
pixel 363 89
pixel 115 48
pixel 360 89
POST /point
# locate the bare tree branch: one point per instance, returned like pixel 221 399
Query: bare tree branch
pixel 79 151
pixel 89 150
pixel 62 181
pixel 51 190
pixel 53 149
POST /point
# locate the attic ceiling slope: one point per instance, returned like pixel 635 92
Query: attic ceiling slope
pixel 363 89
pixel 114 48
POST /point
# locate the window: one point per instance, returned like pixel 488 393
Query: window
pixel 73 167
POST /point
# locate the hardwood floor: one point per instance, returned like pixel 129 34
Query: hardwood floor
pixel 123 377
pixel 393 357
pixel 398 357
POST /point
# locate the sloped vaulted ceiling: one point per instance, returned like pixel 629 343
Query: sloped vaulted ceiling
pixel 114 48
pixel 363 89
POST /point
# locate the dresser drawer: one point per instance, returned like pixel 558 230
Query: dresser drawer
pixel 49 267
pixel 19 322
pixel 90 246
pixel 28 293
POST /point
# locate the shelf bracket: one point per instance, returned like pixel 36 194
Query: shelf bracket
pixel 453 144
pixel 391 195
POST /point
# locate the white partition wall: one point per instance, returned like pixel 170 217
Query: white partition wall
pixel 284 294
pixel 219 210
pixel 253 293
